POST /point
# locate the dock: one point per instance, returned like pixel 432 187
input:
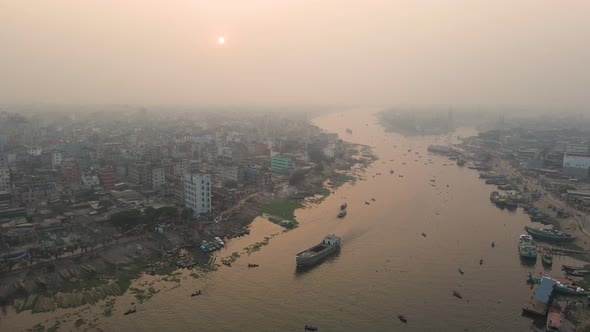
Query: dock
pixel 535 306
pixel 540 299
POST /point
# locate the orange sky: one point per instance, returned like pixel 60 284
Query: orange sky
pixel 352 53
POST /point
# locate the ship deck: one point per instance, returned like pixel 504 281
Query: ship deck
pixel 535 306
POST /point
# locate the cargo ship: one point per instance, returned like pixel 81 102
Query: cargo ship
pixel 329 245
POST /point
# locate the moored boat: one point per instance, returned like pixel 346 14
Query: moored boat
pixel 497 199
pixel 559 287
pixel 547 258
pixel 548 234
pixel 569 289
pixel 342 214
pixel 526 246
pixel 329 245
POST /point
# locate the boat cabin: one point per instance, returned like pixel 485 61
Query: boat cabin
pixel 332 240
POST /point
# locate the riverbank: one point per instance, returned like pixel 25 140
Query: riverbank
pixel 111 271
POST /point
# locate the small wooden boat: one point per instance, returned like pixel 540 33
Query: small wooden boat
pixel 197 293
pixel 252 265
pixel 367 203
pixel 130 311
pixel 373 199
pixel 461 271
pixel 402 318
pixel 547 258
pixel 493 244
pixel 342 214
pixel 423 234
pixel 310 328
pixel 343 206
pixel 457 295
pixel 571 267
pixel 480 261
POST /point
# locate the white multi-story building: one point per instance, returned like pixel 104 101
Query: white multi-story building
pixel 180 168
pixel 233 172
pixel 329 151
pixel 5 179
pixel 89 181
pixel 197 192
pixel 56 159
pixel 158 177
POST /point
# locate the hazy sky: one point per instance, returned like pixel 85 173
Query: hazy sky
pixel 317 52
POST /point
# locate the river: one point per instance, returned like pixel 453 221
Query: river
pixel 386 266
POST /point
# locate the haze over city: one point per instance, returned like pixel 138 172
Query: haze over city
pixel 456 53
pixel 294 165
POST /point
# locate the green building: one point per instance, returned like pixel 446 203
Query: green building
pixel 279 164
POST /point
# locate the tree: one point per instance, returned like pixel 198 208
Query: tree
pixel 186 213
pixel 58 208
pixel 126 219
pixel 297 177
pixel 230 184
pixel 316 154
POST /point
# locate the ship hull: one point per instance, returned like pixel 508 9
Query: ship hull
pixel 546 236
pixel 317 258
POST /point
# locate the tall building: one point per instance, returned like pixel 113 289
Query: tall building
pixel 56 159
pixel 158 178
pixel 576 165
pixel 197 192
pixel 280 163
pixel 107 177
pixel 233 172
pixel 5 179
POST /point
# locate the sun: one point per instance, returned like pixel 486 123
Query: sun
pixel 221 40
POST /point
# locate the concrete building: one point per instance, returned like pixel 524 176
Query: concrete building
pixel 197 193
pixel 107 177
pixel 71 173
pixel 138 172
pixel 89 181
pixel 5 184
pixel 233 172
pixel 577 149
pixel 158 178
pixel 330 151
pixel 5 200
pixel 280 164
pixel 577 166
pixel 56 159
pixel 527 154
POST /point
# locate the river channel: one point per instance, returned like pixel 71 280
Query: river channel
pixel 386 266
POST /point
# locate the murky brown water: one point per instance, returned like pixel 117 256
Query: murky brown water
pixel 386 267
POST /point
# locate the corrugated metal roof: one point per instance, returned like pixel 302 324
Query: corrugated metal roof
pixel 544 291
